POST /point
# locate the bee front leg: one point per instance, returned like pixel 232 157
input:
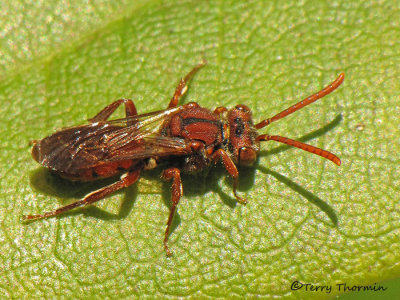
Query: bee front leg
pixel 177 192
pixel 232 170
pixel 106 112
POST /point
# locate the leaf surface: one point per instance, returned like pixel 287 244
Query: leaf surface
pixel 307 220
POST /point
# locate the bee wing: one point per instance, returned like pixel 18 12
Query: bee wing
pixel 151 146
pixel 145 126
pixel 73 149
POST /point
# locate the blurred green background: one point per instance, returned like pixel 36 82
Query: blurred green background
pixel 306 220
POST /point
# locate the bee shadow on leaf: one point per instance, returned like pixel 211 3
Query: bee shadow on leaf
pixel 209 180
pixel 326 208
pixel 321 204
pixel 46 182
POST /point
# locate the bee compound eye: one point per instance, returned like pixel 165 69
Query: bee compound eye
pixel 247 156
pixel 243 108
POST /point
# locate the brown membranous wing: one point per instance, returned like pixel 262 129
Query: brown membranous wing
pixel 73 149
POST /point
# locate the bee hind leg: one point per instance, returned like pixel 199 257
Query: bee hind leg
pixel 125 181
pixel 106 112
pixel 183 85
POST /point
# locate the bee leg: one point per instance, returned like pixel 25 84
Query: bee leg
pixel 177 192
pixel 105 113
pixel 182 86
pixel 232 170
pixel 126 180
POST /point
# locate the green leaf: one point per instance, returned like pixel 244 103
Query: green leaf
pixel 306 219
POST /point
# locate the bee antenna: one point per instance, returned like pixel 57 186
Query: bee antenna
pixel 325 91
pixel 323 153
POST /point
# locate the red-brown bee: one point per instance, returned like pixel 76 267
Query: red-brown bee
pixel 187 138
